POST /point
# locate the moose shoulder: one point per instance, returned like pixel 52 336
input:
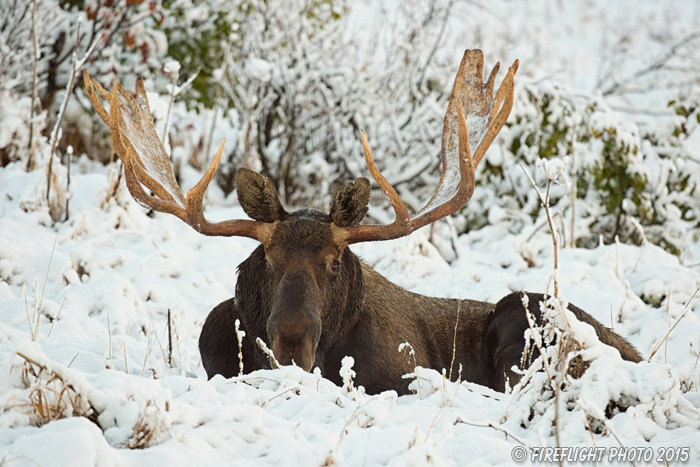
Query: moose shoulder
pixel 306 294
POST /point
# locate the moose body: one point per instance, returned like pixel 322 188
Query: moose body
pixel 364 315
pixel 305 293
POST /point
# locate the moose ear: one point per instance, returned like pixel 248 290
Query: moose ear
pixel 350 203
pixel 258 196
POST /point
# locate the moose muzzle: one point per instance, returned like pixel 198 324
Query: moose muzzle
pixel 294 326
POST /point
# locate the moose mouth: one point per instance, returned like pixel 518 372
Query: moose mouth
pixel 299 352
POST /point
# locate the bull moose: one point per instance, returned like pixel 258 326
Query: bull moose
pixel 305 293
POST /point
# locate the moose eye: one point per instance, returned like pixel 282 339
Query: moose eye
pixel 268 265
pixel 335 266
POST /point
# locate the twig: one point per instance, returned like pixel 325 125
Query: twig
pixel 77 64
pixel 590 430
pixel 35 57
pixel 53 323
pixel 171 102
pixel 26 309
pixel 174 91
pixel 688 308
pixel 46 279
pixel 63 376
pixel 39 302
pixel 655 66
pixel 583 402
pixel 149 343
pixel 69 150
pixel 557 390
pixel 109 340
pixel 170 341
pixel 572 235
pixel 239 337
pixel 454 338
pixel 218 103
pixel 545 204
pixel 352 417
pixel 668 322
pixel 72 359
pixel 126 360
pixel 273 361
pixel 293 388
pixel 412 352
pixel 536 336
pixel 495 427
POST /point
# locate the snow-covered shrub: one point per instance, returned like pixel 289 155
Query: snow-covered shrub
pixel 630 184
pixel 301 86
pixel 14 132
pixel 117 39
pixel 576 383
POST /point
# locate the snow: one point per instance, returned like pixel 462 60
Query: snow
pixel 84 303
pixel 120 271
pixel 259 69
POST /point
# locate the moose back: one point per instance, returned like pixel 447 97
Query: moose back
pixel 306 294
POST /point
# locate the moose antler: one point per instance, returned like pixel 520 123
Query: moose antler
pixel 146 163
pixel 464 143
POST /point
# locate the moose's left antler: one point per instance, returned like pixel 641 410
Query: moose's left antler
pixel 464 143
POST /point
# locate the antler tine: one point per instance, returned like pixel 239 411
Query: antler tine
pixel 136 142
pixel 402 216
pixel 503 104
pixel 473 119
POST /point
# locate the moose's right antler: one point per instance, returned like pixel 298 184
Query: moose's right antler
pixel 146 163
pixel 464 143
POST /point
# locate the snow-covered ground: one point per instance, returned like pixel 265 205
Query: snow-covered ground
pixel 104 282
pixel 84 308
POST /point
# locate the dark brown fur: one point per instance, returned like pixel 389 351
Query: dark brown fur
pixel 290 295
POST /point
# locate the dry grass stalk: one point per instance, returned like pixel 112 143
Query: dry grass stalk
pixel 51 397
pixel 126 359
pixel 274 364
pixel 239 336
pixel 412 353
pixel 493 425
pixel 688 307
pixel 572 174
pixel 170 340
pixel 149 345
pixel 544 200
pixel 115 178
pixel 147 428
pixel 35 60
pixel 39 302
pixel 454 338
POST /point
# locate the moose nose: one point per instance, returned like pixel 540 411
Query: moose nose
pixel 294 326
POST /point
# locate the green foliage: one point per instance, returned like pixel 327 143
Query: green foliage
pixel 611 174
pixel 201 45
pixel 625 192
pixel 203 42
